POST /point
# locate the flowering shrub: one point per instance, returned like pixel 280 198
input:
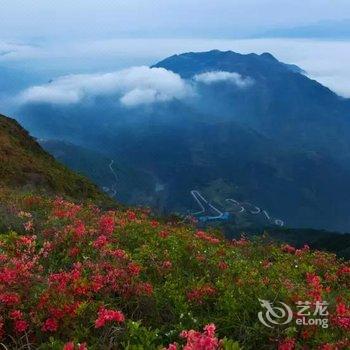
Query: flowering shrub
pixel 197 340
pixel 76 277
pixel 105 315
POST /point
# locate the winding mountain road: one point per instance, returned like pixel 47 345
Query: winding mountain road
pixel 114 186
pixel 206 206
pixel 241 210
pixel 198 198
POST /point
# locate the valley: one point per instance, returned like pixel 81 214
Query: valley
pixel 280 142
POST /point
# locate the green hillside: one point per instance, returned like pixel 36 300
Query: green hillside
pixel 77 276
pixel 27 167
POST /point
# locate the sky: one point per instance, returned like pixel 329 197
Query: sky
pixel 51 19
pixel 53 38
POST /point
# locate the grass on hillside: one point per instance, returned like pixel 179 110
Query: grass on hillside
pixel 24 164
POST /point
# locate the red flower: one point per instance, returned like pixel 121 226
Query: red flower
pixel 27 240
pixel 16 314
pixel 64 209
pixel 198 294
pixel 68 346
pixel 200 258
pixel 154 223
pixel 241 242
pixel 206 237
pixel 73 252
pixel 341 309
pixel 300 252
pixel 144 288
pixel 163 234
pixel 105 315
pixel 287 344
pixel 134 269
pixel 50 325
pixel 167 265
pixel 131 215
pixel 210 329
pixel 314 282
pixel 107 225
pixel 305 334
pixel 97 283
pixel 286 248
pixel 21 326
pixel 100 242
pixel 9 298
pixel 313 279
pixel 79 229
pixel 200 341
pixel 328 347
pixel 342 322
pixel 344 270
pixel 119 253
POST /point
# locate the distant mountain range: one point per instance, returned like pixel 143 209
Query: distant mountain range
pixel 257 130
pixel 322 29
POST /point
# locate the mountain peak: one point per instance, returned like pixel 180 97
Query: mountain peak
pixel 269 56
pixel 191 63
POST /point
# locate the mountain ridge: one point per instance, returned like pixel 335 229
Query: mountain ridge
pixel 283 138
pixel 26 166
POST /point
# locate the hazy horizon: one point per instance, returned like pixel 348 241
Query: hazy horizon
pixel 90 37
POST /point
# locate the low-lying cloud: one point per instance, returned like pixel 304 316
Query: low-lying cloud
pixel 132 87
pixel 316 57
pixel 223 76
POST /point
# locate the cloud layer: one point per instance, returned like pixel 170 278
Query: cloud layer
pixel 133 86
pixel 222 76
pixel 316 57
